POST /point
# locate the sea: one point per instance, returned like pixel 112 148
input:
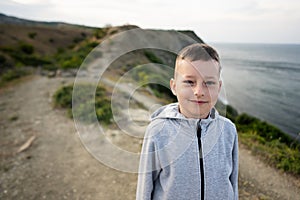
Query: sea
pixel 263 80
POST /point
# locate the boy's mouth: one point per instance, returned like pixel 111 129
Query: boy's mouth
pixel 200 102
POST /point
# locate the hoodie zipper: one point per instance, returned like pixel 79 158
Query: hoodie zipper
pixel 201 159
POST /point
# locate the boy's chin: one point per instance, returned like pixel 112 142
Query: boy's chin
pixel 195 113
pixel 199 115
pixel 203 114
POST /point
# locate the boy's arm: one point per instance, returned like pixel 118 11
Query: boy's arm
pixel 148 170
pixel 234 174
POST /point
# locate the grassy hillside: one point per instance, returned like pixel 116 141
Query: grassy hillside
pixel 264 140
pixel 28 44
pixel 45 39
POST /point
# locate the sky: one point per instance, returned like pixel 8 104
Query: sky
pixel 238 21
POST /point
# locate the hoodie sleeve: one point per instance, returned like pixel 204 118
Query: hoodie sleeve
pixel 234 174
pixel 149 169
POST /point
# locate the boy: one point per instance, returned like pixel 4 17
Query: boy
pixel 190 151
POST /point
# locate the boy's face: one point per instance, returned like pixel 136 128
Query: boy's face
pixel 196 85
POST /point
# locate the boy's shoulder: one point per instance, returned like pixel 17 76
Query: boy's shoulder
pixel 226 120
pixel 227 126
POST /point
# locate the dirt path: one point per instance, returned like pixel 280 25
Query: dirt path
pixel 57 166
pixel 259 181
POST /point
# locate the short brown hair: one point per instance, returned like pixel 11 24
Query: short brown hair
pixel 198 51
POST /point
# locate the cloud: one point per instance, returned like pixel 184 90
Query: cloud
pixel 31 2
pixel 217 20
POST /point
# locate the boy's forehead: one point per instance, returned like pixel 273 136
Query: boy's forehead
pixel 210 67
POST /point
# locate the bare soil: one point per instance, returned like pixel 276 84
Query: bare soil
pixel 57 166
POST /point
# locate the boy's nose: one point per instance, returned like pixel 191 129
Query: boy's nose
pixel 199 90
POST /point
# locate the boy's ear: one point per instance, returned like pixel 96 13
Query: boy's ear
pixel 173 86
pixel 220 85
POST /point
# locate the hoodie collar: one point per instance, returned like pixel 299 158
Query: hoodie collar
pixel 171 111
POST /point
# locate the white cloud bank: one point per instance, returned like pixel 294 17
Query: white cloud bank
pixel 275 21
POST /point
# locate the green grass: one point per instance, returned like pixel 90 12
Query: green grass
pixel 274 146
pixel 99 33
pixel 73 59
pixel 32 35
pixel 85 109
pixel 13 74
pixel 158 83
pixel 24 55
pixel 152 57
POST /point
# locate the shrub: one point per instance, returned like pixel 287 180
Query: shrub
pixel 157 82
pixel 2 60
pixel 230 112
pixel 23 55
pixel 86 111
pixel 245 119
pixel 78 39
pixel 26 48
pixel 7 49
pixel 60 50
pixel 152 57
pixel 276 147
pixel 73 59
pixel 13 74
pixel 73 62
pixel 246 122
pixel 32 35
pixel 31 60
pixel 91 45
pixel 162 92
pixel 86 108
pixel 99 33
pixel 63 97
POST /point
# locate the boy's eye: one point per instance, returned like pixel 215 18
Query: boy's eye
pixel 189 82
pixel 209 83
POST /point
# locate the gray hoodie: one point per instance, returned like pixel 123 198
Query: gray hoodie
pixel 176 164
